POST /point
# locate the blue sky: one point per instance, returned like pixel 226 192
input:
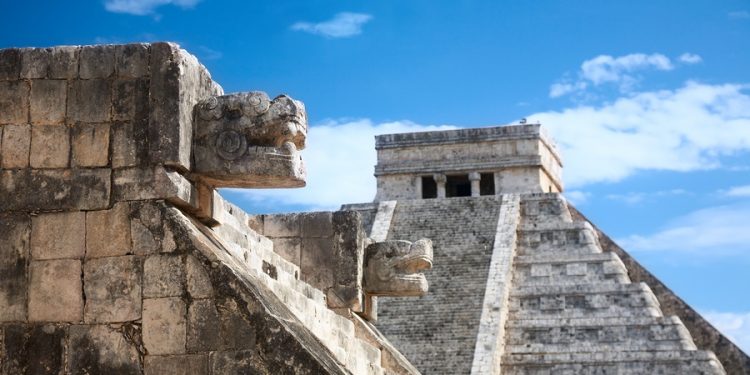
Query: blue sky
pixel 649 102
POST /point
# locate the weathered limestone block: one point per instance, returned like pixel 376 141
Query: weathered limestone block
pixel 10 64
pixel 317 253
pixel 289 248
pixel 164 330
pixel 50 147
pixel 176 365
pixel 163 276
pixel 393 268
pixel 35 62
pixel 132 60
pixel 89 100
pixel 34 349
pixel 90 145
pixel 47 104
pixel 64 62
pixel 16 143
pixel 236 331
pixel 317 224
pixel 14 253
pixel 204 327
pixel 14 102
pixel 130 100
pixel 55 291
pixel 108 231
pixel 58 235
pixel 149 234
pixel 54 190
pixel 237 362
pixel 281 225
pixel 198 282
pixel 153 183
pixel 248 140
pixel 98 349
pixel 113 289
pixel 97 62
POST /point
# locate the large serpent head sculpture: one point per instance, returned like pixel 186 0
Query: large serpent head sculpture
pixel 394 268
pixel 248 140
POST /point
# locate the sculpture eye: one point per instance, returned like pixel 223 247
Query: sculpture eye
pixel 230 145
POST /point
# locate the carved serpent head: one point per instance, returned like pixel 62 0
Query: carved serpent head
pixel 394 268
pixel 249 140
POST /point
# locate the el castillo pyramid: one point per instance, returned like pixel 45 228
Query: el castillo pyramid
pixel 118 255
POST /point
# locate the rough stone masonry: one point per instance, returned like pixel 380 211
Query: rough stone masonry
pixel 117 254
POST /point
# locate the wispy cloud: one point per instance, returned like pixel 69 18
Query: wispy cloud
pixel 690 58
pixel 605 69
pixel 577 197
pixel 342 25
pixel 736 326
pixel 144 7
pixel 739 15
pixel 206 53
pixel 638 197
pixel 686 129
pixel 723 231
pixel 340 158
pixel 736 191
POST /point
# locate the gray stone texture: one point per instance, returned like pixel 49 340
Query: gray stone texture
pixel 164 325
pixel 113 289
pixel 32 349
pixel 176 364
pixel 47 103
pixel 58 235
pixel 14 102
pixel 16 143
pixel 163 276
pixel 90 145
pixel 54 190
pixel 89 100
pixel 50 147
pixel 35 62
pixel 108 231
pixel 100 349
pixel 55 291
pixel 14 255
pixel 97 62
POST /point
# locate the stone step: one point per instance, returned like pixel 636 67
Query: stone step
pixel 584 300
pixel 540 207
pixel 557 237
pixel 569 269
pixel 597 334
pixel 613 362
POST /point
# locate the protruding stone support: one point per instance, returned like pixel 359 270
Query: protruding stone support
pixel 440 180
pixel 394 268
pixel 474 177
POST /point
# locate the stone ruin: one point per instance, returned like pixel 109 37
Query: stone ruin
pixel 118 255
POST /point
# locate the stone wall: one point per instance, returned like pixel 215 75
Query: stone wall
pixel 115 258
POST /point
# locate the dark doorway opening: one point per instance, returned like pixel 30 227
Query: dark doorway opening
pixel 458 186
pixel 487 184
pixel 429 187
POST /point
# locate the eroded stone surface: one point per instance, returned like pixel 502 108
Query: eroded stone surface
pixel 90 145
pixel 177 364
pixel 99 349
pixel 55 291
pixel 164 326
pixel 14 254
pixel 14 102
pixel 58 235
pixel 54 190
pixel 15 148
pixel 163 276
pixel 33 349
pixel 50 146
pixel 108 231
pixel 48 101
pixel 113 289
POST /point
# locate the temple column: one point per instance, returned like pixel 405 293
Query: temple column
pixel 440 180
pixel 474 177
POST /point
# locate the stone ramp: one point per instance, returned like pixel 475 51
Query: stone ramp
pixel 437 332
pixel 573 308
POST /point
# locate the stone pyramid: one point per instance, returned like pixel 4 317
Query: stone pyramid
pixel 522 282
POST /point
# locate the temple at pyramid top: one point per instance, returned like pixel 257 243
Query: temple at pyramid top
pixel 467 162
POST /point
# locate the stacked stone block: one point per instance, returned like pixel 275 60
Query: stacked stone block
pixel 573 308
pixel 437 332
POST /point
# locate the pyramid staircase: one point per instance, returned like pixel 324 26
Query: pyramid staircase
pixel 573 309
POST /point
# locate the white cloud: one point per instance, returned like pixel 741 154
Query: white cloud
pixel 739 15
pixel 686 129
pixel 737 191
pixel 690 58
pixel 605 68
pixel 342 25
pixel 638 197
pixel 577 197
pixel 736 326
pixel 340 159
pixel 144 7
pixel 723 231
